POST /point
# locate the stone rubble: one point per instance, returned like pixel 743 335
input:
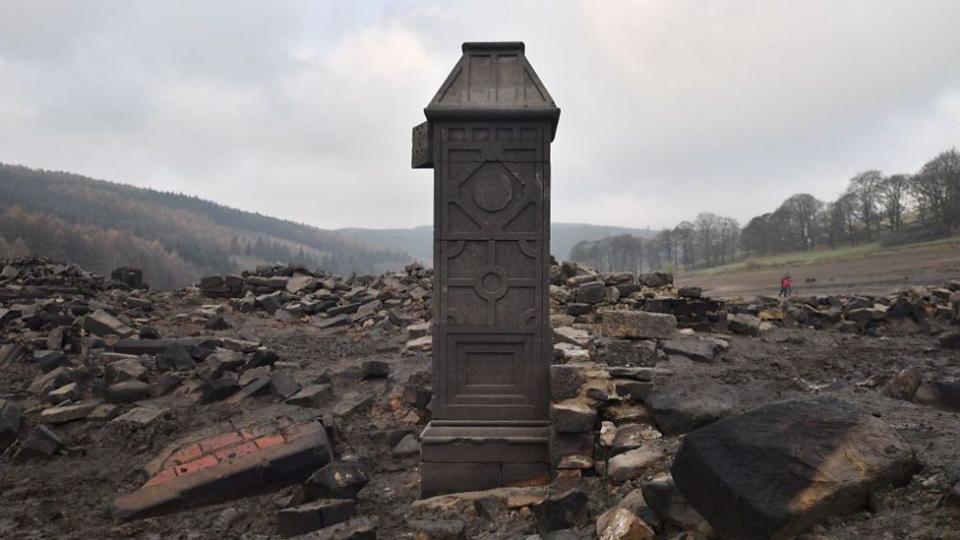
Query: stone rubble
pixel 101 352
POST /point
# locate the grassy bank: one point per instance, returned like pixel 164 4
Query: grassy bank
pixel 800 258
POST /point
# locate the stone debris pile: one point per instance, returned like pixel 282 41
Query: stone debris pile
pixel 292 293
pixel 914 310
pixel 581 292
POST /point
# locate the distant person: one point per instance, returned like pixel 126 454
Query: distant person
pixel 786 283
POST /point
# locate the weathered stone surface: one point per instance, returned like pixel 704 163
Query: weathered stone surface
pixel 566 380
pixel 220 388
pixel 627 352
pixel 743 323
pixel 633 463
pixel 904 384
pixel 679 409
pixel 632 436
pixel 283 386
pixel 637 508
pixel 11 417
pixel 669 505
pixel 572 416
pixel 312 395
pixel 100 323
pixel 622 524
pixel 698 349
pixel 40 443
pixel 590 293
pixel 943 395
pixel 562 509
pixel 950 340
pixel 227 466
pixel 175 357
pixel 375 369
pixel 631 324
pixel 128 391
pixel 408 446
pixel 444 529
pixel 575 336
pixel 314 515
pixel 51 360
pixel 140 416
pixel 337 480
pixel 774 471
pixel 68 413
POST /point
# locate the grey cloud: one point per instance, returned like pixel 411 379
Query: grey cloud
pixel 303 109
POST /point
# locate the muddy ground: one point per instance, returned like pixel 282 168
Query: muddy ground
pixel 67 497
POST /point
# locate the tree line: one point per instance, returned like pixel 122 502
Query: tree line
pixel 892 209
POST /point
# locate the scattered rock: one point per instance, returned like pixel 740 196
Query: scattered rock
pixel 633 463
pixel 631 324
pixel 743 323
pixel 776 470
pixel 336 480
pixel 562 509
pixel 408 446
pixel 314 515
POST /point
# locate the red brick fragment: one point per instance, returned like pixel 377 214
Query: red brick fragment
pixel 220 441
pixel 270 440
pixel 185 454
pixel 236 451
pixel 192 467
pixel 161 477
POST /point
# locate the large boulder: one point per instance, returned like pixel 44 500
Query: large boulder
pixel 679 409
pixel 774 471
pixel 632 324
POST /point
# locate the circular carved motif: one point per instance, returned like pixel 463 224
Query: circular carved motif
pixel 493 191
pixel 491 282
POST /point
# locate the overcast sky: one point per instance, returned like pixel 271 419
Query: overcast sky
pixel 303 110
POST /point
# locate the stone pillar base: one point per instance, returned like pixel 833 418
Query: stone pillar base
pixel 474 456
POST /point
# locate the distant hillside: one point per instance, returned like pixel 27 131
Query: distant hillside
pixel 418 241
pixel 174 238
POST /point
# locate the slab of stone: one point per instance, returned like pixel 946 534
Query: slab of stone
pixel 615 525
pixel 680 409
pixel 127 391
pixel 697 349
pixel 943 395
pixel 567 379
pixel 68 413
pixel 336 480
pixel 11 418
pixel 283 386
pixel 375 369
pixel 314 515
pixel 312 395
pixel 408 446
pixel 574 336
pixel 422 343
pixel 950 340
pixel 140 416
pixel 669 505
pixel 572 416
pixel 632 324
pixel 41 442
pixel 562 509
pixel 228 466
pixel 100 323
pixel 775 471
pixel 67 392
pixel 634 463
pixel 442 529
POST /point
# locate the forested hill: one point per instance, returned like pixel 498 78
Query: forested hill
pixel 174 238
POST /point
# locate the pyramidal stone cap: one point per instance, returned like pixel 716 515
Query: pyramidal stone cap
pixel 493 80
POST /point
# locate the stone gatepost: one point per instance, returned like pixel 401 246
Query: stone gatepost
pixel 487 138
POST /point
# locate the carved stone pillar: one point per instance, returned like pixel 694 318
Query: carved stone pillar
pixel 487 137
